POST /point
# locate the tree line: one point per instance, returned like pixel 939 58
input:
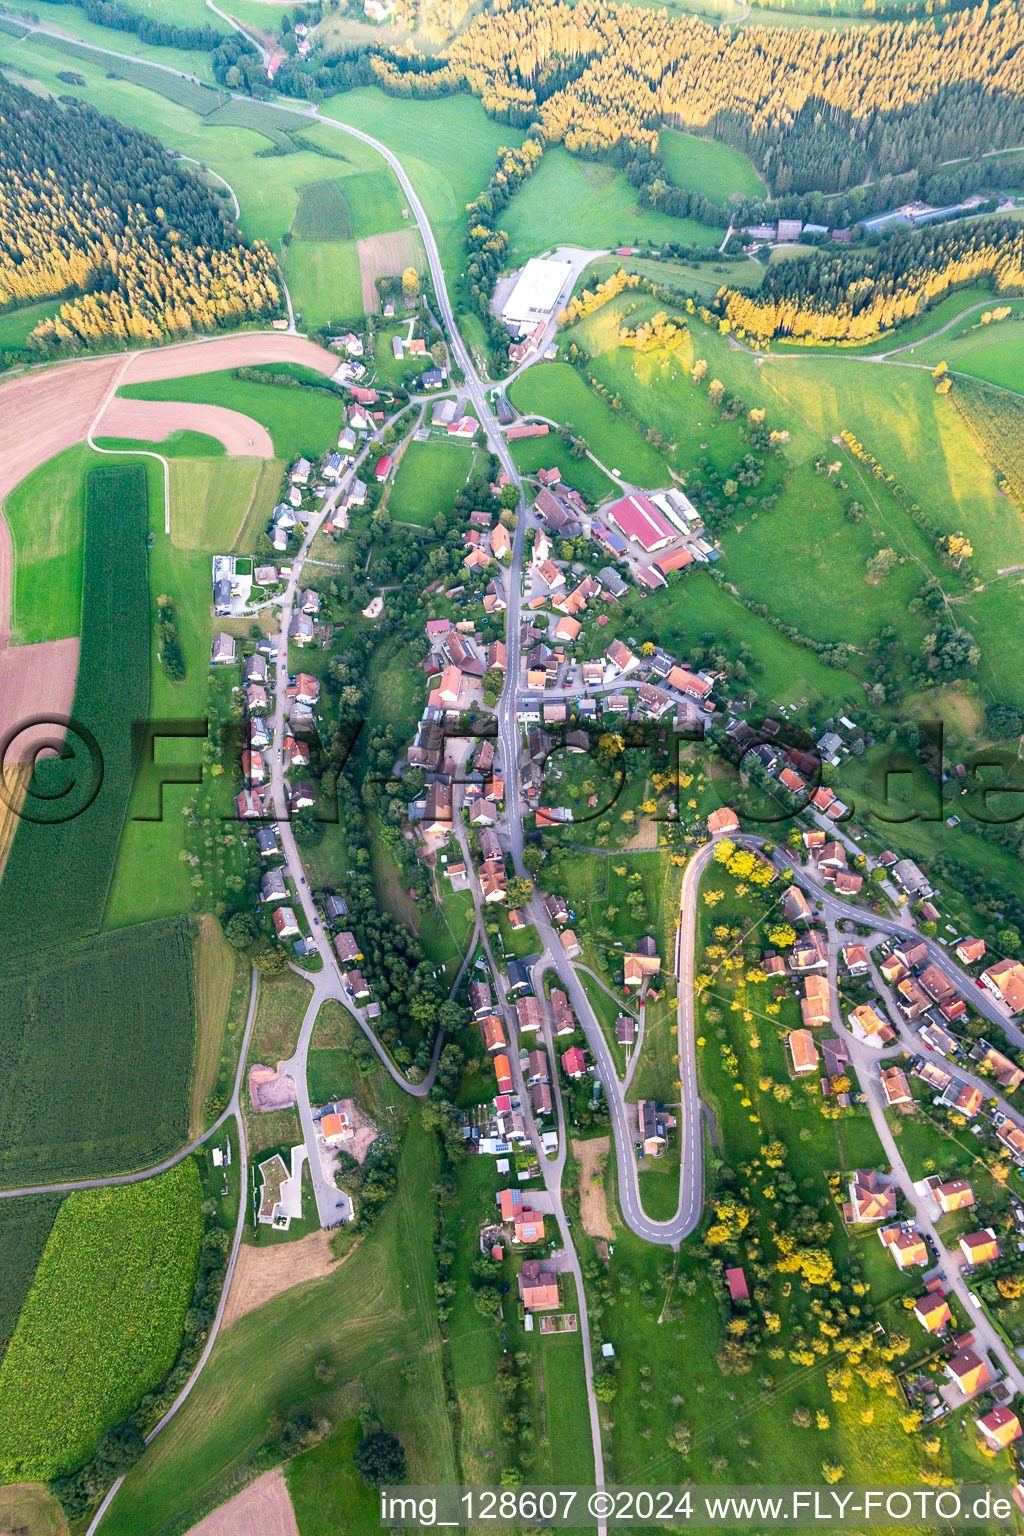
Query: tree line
pixel 95 210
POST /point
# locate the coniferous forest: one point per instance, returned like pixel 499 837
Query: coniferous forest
pixel 98 211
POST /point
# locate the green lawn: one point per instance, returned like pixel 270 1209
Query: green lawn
pixel 569 201
pixel 557 390
pixel 299 421
pixel 323 280
pixel 372 1322
pixel 429 478
pixel 46 515
pixel 707 167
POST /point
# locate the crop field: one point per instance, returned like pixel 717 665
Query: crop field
pixel 707 167
pixel 997 420
pixel 557 390
pixel 429 478
pixel 298 420
pixel 376 201
pixel 325 283
pixel 24 1227
pixel 568 201
pixel 323 212
pixel 46 516
pixel 184 93
pixel 372 1320
pixel 102 1322
pixel 261 119
pixel 76 856
pixel 97 1038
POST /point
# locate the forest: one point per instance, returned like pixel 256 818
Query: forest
pixel 96 210
pixel 850 297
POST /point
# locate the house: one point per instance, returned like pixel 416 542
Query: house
pixel 896 1087
pixel 980 1247
pixel 267 841
pixel 855 958
pixel 493 1032
pixel 273 886
pixel 529 1014
pixel 937 1039
pixel 909 876
pixel 1005 981
pixel 336 1127
pixel 621 657
pixel 933 1075
pixel 815 1005
pixel 501 543
pixel 933 1313
pixel 252 803
pixel 556 909
pixel 480 1000
pixel 567 629
pixel 723 820
pixel 871 1198
pixel 892 969
pixel 868 1025
pixel 224 651
pixel 968 951
pixel 809 953
pixel 911 998
pixel 795 905
pixel 832 856
pixel 906 1245
pixel 999 1428
pixel 382 469
pixel 803 1051
pixel 537 1067
pixel 954 1196
pixel 503 1073
pixel 285 925
pixel 538 1286
pixel 969 1372
pixel 529 1227
pixel 736 1280
pixel 968 1101
pixel 637 518
pixel 517 977
pixel 490 846
pixel 510 1202
pixel 574 1063
pixel 437 812
pixel 493 883
pixel 562 1015
pixel 335 908
pixel 300 472
pixel 302 796
pixel 346 948
pixel 625 1029
pixel 912 955
pixel 848 883
pixel 1012 1136
pixel 654 1124
pixel 572 946
pixel 794 783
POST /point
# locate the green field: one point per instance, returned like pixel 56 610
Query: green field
pixel 15 324
pixel 707 167
pixel 323 279
pixel 372 1322
pixel 179 445
pixel 46 516
pixel 299 421
pixel 376 201
pixel 701 278
pixel 428 479
pixel 102 1322
pixel 533 453
pixel 999 360
pixel 568 201
pixel 556 390
pixel 323 212
pixel 24 1228
pixel 98 1037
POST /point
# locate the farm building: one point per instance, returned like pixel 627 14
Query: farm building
pixel 536 293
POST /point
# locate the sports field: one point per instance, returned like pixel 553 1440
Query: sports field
pixel 569 201
pixel 429 478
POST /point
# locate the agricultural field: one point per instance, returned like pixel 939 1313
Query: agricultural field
pixel 429 477
pixel 323 212
pixel 104 1028
pixel 996 419
pixel 557 391
pixel 77 855
pixel 298 420
pixel 703 278
pixel 709 168
pixel 324 282
pixel 569 201
pixel 371 1321
pixel 15 324
pixel 46 516
pixel 102 1322
pixel 24 1228
pixel 193 13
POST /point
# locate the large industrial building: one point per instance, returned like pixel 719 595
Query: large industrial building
pixel 536 293
pixel 638 518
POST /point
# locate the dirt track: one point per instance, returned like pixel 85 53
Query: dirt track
pixel 152 420
pixel 48 410
pixel 262 1509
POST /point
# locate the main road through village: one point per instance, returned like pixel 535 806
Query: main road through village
pixel 328 982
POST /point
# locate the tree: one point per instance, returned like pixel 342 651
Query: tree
pixel 410 283
pixel 241 930
pixel 380 1459
pixel 509 497
pixel 519 891
pixel 271 960
pixel 439 354
pixel 882 563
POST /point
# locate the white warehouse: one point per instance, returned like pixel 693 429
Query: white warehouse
pixel 536 293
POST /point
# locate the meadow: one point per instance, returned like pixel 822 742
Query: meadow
pixel 569 201
pixel 370 1326
pixel 102 1321
pixel 533 453
pixel 429 477
pixel 685 277
pixel 323 279
pixel 104 1028
pixel 707 167
pixel 557 391
pixel 46 516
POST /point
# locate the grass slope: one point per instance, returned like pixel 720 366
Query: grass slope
pixel 556 390
pixel 704 166
pixel 429 478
